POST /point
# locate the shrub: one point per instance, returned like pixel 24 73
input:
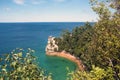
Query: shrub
pixel 21 65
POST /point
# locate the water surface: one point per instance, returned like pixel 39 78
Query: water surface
pixel 34 35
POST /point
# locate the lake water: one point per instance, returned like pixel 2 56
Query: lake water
pixel 34 36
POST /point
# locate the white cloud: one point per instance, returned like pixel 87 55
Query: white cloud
pixel 59 0
pixel 38 1
pixel 21 2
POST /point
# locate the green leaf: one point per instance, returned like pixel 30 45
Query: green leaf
pixel 13 64
pixel 20 54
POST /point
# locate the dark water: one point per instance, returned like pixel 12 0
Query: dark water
pixel 34 35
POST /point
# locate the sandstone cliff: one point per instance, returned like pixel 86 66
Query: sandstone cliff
pixel 51 46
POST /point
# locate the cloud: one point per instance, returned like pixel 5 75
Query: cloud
pixel 20 2
pixel 60 0
pixel 38 1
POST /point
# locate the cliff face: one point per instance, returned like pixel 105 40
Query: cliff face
pixel 51 46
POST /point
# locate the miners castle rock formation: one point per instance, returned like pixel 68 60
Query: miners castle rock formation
pixel 51 46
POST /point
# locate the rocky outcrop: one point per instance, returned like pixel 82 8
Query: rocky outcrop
pixel 52 50
pixel 51 46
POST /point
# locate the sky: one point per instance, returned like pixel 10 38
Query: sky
pixel 46 11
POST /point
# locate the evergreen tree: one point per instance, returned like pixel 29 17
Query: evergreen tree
pixel 99 44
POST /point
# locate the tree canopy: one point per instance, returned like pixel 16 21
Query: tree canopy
pixel 97 44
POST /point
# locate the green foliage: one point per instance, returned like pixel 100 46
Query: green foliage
pixel 73 41
pixel 101 8
pixel 21 65
pixel 95 74
pixel 99 44
pixel 105 8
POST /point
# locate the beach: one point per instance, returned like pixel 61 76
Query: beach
pixel 68 56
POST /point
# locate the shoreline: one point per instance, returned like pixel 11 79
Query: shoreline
pixel 68 56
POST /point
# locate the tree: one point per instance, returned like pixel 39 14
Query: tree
pixel 99 44
pixel 19 65
pixel 105 46
pixel 116 5
pixel 96 73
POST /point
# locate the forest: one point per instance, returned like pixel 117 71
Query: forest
pixel 97 45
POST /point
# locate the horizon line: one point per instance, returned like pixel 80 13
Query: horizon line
pixel 51 22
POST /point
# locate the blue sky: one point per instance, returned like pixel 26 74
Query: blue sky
pixel 46 11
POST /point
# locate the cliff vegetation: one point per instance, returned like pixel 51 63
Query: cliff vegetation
pixel 96 45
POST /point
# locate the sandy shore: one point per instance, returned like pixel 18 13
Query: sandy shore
pixel 69 57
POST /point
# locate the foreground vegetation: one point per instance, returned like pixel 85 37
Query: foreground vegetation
pixel 96 45
pixel 21 65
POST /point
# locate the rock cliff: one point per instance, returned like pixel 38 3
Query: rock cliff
pixel 51 46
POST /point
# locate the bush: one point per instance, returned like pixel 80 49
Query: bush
pixel 21 65
pixel 95 74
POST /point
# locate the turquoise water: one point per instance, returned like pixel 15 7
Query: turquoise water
pixel 34 35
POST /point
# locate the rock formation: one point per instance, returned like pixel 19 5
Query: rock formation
pixel 51 46
pixel 52 50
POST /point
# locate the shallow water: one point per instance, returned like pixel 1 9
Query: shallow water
pixel 34 35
